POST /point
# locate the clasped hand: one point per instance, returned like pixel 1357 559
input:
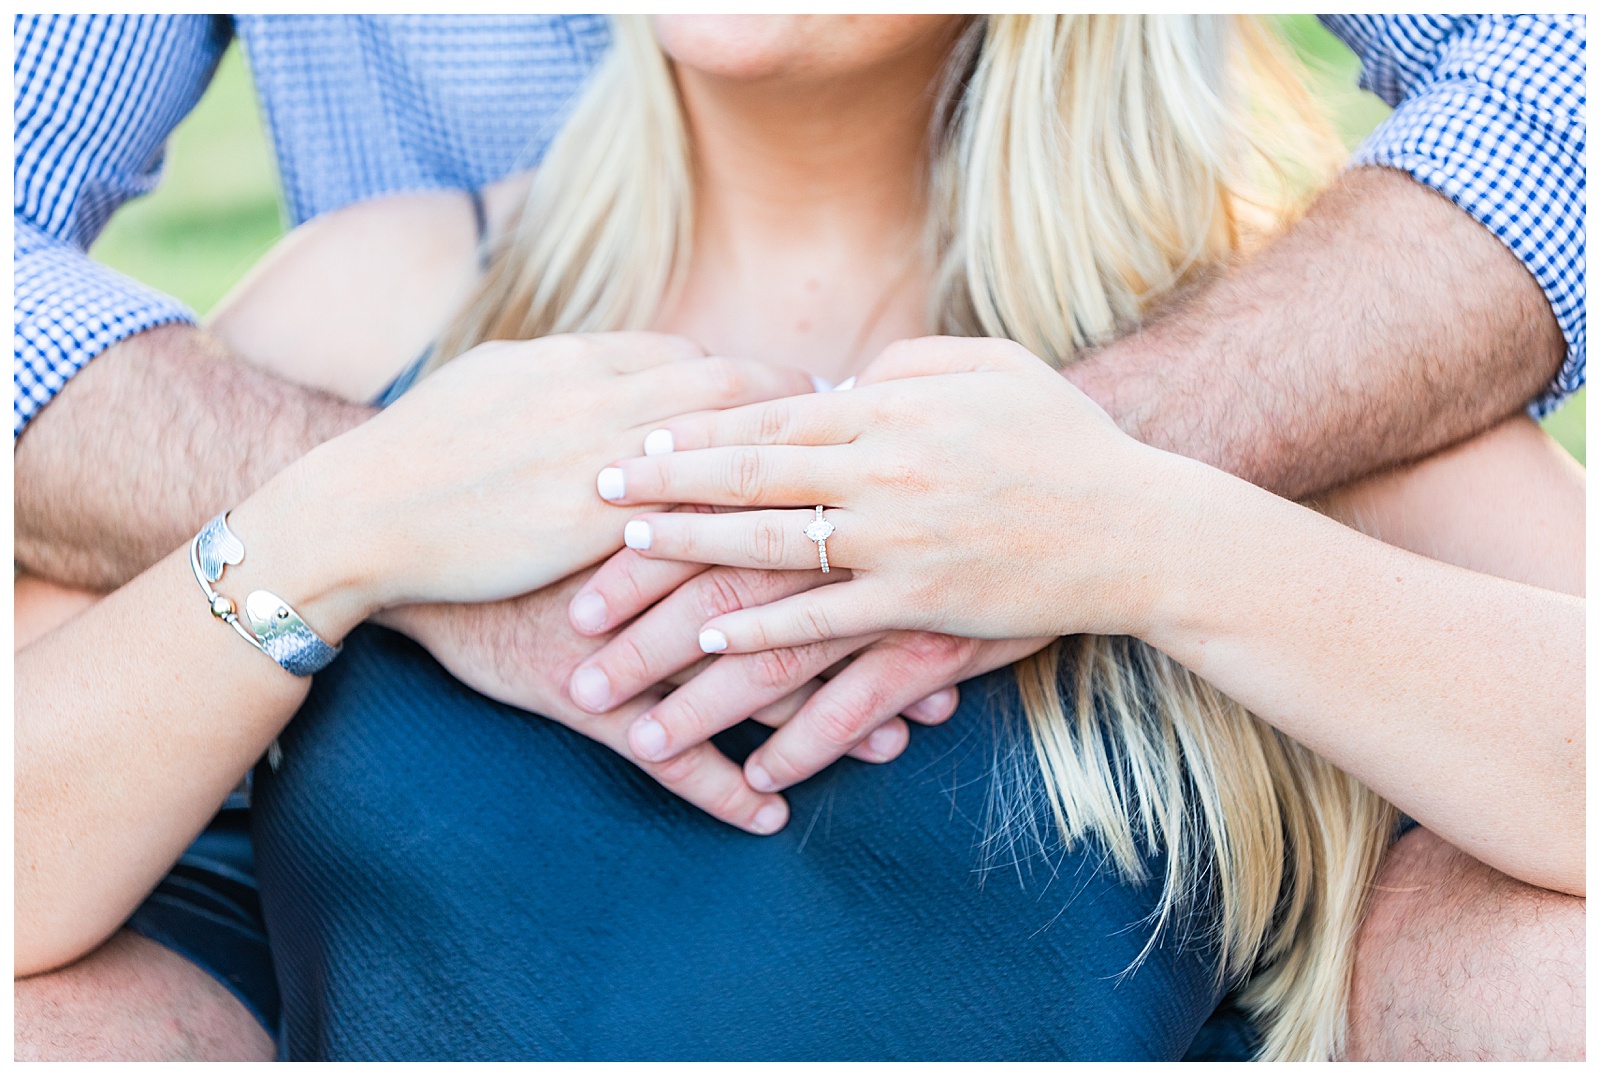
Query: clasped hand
pixel 974 493
pixel 626 665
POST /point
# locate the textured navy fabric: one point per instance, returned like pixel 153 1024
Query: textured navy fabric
pixel 447 877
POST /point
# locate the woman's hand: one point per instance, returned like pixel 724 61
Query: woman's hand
pixel 479 484
pixel 972 489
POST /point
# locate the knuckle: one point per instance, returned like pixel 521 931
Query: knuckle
pixel 778 668
pixel 725 802
pixel 653 478
pixel 839 726
pixel 773 422
pixel 781 763
pixel 720 592
pixel 626 662
pixel 767 542
pixel 685 719
pixel 744 474
pixel 814 622
pixel 937 652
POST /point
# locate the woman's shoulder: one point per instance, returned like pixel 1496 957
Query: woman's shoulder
pixel 350 297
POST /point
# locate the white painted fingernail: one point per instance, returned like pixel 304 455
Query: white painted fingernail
pixel 820 385
pixel 636 534
pixel 611 484
pixel 848 384
pixel 658 442
pixel 713 641
pixel 770 818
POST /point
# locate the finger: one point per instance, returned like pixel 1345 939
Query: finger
pixel 664 639
pixel 884 744
pixel 915 357
pixel 701 775
pixel 884 680
pixel 934 709
pixel 849 609
pixel 726 693
pixel 626 584
pixel 805 420
pixel 710 382
pixel 759 539
pixel 730 476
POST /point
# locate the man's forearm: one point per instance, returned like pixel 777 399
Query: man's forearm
pixel 1383 326
pixel 151 439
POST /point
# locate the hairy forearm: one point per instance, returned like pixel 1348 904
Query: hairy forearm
pixel 149 441
pixel 1384 325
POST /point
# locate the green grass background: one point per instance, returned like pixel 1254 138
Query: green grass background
pixel 216 211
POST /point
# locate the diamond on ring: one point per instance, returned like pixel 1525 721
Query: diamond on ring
pixel 817 532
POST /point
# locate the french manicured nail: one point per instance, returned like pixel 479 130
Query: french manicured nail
pixel 936 706
pixel 658 442
pixel 759 778
pixel 770 818
pixel 636 534
pixel 649 739
pixel 820 385
pixel 884 741
pixel 589 612
pixel 713 641
pixel 591 689
pixel 848 384
pixel 611 484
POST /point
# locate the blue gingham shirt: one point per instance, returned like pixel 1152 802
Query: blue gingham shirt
pixel 1488 111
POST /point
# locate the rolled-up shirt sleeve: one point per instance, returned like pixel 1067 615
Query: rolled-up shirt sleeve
pixel 1489 111
pixel 96 98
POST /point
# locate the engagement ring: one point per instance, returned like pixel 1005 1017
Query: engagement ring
pixel 818 532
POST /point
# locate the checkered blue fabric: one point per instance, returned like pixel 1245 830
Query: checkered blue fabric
pixel 355 105
pixel 1490 112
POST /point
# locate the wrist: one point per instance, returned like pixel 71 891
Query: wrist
pixel 299 544
pixel 1168 577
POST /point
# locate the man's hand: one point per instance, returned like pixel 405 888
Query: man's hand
pixel 149 441
pixel 522 652
pixel 856 711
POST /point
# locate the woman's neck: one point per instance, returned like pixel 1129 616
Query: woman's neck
pixel 810 206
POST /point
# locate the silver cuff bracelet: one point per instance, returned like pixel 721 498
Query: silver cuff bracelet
pixel 275 628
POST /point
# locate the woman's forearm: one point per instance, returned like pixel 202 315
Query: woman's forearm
pixel 1457 696
pixel 135 720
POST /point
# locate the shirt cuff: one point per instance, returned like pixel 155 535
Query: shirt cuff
pixel 69 309
pixel 1471 146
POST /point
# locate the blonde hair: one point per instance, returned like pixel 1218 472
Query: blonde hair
pixel 1082 168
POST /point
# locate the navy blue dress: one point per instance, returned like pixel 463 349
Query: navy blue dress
pixel 444 876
